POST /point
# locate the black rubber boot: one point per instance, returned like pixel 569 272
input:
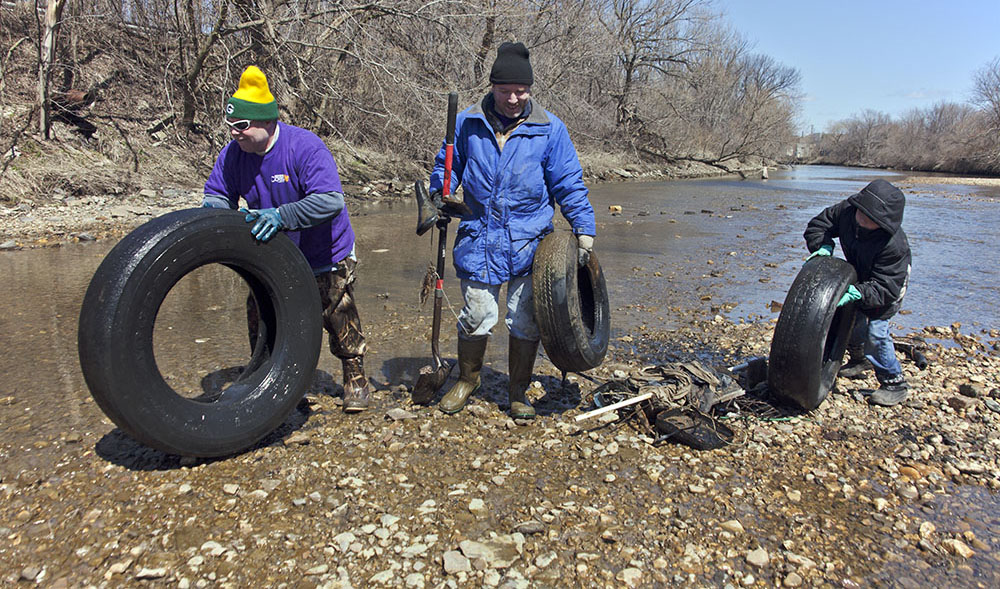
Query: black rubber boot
pixel 893 391
pixel 470 363
pixel 357 389
pixel 521 359
pixel 857 364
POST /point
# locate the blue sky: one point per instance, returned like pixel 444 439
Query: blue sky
pixel 887 55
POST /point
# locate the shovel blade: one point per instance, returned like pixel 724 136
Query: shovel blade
pixel 427 212
pixel 429 382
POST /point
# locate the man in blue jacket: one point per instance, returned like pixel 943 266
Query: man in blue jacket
pixel 515 162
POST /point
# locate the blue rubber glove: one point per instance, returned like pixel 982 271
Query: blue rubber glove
pixel 823 251
pixel 268 222
pixel 852 295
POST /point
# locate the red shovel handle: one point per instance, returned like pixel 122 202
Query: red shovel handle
pixel 449 142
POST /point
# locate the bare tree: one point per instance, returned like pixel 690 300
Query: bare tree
pixel 986 92
pixel 46 53
pixel 651 39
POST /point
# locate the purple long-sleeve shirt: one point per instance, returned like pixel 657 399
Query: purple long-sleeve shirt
pixel 297 165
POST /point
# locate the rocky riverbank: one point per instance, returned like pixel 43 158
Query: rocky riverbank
pixel 403 496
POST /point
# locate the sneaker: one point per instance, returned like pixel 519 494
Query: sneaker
pixel 892 391
pixel 855 369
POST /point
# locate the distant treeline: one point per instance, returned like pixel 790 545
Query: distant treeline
pixel 947 137
pixel 659 80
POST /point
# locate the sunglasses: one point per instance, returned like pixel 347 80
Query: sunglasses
pixel 241 125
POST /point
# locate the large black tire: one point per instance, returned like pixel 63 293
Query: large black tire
pixel 812 333
pixel 119 312
pixel 571 304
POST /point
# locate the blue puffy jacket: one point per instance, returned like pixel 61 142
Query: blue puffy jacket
pixel 513 192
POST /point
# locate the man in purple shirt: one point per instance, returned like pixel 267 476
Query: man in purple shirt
pixel 289 181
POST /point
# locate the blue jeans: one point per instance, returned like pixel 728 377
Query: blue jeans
pixel 482 309
pixel 879 348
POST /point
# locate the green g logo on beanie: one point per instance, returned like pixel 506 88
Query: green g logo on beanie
pixel 253 100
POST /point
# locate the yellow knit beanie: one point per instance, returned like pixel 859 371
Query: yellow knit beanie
pixel 253 100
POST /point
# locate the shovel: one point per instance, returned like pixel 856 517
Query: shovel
pixel 433 377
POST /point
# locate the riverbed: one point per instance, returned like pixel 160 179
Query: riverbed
pixel 694 268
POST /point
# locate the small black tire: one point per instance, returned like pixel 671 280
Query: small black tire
pixel 812 333
pixel 119 310
pixel 571 304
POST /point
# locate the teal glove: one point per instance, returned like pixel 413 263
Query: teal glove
pixel 268 222
pixel 852 295
pixel 823 251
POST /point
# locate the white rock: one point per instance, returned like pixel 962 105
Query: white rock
pixel 758 557
pixel 454 562
pixel 491 578
pixel 800 561
pixel 146 573
pixel 213 548
pixel 957 548
pixel 382 577
pixel 732 526
pixel 344 540
pixel 414 550
pixel 320 569
pixel 630 577
pixel 544 560
pixel 478 508
pixel 498 552
pixel 926 529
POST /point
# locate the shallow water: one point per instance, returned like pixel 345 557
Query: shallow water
pixel 718 246
pixel 753 236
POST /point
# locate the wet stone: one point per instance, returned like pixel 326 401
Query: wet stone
pixel 530 527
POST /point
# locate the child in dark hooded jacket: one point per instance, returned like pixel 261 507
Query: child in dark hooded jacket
pixel 869 226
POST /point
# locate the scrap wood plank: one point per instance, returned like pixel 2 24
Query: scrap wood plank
pixel 613 406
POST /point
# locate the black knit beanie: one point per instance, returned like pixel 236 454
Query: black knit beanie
pixel 512 65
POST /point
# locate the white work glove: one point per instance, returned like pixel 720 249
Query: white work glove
pixel 585 245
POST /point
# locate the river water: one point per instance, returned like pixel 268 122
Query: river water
pixel 722 246
pixel 718 246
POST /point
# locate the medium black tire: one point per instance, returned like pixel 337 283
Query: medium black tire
pixel 571 304
pixel 812 333
pixel 116 333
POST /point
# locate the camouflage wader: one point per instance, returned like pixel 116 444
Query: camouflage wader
pixel 342 323
pixel 340 314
